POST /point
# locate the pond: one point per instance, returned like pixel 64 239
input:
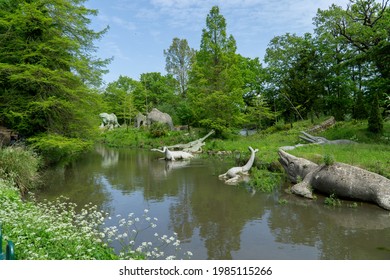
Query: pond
pixel 217 221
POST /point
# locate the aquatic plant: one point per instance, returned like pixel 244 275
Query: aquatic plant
pixel 332 200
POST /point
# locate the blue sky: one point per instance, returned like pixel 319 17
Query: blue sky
pixel 140 30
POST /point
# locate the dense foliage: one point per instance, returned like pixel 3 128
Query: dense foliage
pixel 47 68
pixel 341 69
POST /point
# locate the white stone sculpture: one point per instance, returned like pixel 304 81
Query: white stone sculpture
pixel 236 174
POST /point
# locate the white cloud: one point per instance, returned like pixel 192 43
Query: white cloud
pixel 130 26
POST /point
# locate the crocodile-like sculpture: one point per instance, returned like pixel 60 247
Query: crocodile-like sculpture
pixel 234 174
pixel 341 179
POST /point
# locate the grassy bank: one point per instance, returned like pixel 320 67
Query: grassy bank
pixel 56 230
pixel 371 152
pixel 44 230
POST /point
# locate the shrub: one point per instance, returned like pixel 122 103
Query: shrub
pixel 20 166
pixel 328 159
pixel 56 148
pixel 157 130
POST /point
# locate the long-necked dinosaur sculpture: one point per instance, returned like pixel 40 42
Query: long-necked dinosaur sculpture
pixel 234 174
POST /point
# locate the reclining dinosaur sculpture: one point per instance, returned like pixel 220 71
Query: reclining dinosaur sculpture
pixel 173 155
pixel 343 180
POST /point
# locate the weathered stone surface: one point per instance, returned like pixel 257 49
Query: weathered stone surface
pixel 343 180
pixel 157 116
pixel 295 167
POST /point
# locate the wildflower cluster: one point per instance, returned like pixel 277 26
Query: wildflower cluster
pixel 128 233
pixel 56 230
pixel 52 230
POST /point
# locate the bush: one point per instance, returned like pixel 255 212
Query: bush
pixel 20 166
pixel 264 180
pixel 158 130
pixel 58 149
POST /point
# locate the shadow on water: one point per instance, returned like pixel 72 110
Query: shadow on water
pixel 217 221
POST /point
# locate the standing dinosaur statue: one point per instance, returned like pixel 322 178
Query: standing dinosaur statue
pixel 235 174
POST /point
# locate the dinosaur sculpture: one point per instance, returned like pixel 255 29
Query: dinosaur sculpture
pixel 343 180
pixel 317 140
pixel 140 119
pixel 109 120
pixel 157 116
pixel 235 174
pixel 193 146
pixel 174 155
pixel 322 140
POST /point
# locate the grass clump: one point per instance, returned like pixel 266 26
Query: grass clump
pixel 264 181
pixel 20 166
pixel 332 200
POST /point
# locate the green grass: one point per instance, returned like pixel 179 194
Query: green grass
pixel 372 151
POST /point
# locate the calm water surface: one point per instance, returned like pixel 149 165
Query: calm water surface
pixel 217 221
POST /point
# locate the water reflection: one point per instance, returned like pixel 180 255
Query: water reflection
pixel 216 221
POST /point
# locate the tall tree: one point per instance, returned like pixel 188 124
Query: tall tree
pixel 119 96
pixel 364 28
pixel 46 63
pixel 179 58
pixel 216 84
pixel 294 76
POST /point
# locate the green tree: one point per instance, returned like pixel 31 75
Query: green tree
pixel 179 58
pixel 216 84
pixel 119 96
pixel 46 64
pixel 364 29
pixel 294 76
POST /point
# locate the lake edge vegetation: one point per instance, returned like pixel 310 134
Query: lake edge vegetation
pixel 51 94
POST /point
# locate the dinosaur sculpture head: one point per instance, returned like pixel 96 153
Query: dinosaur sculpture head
pixel 295 167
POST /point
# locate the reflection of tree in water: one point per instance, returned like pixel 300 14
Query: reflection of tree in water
pixel 74 181
pixel 338 233
pixel 219 212
pixel 181 213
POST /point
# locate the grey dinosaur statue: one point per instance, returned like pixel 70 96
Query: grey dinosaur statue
pixel 343 180
pixel 140 120
pixel 157 116
pixel 109 120
pixel 322 140
pixel 235 174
